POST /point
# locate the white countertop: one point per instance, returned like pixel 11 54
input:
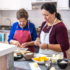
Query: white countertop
pixel 6 48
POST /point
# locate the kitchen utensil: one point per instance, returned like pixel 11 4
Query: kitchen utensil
pixel 48 64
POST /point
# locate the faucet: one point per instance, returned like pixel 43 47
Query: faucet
pixel 9 20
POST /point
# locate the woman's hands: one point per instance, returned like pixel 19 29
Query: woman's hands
pixel 14 42
pixel 37 42
pixel 43 46
pixel 23 45
pixel 17 43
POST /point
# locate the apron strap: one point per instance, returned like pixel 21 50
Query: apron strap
pixel 52 25
pixel 44 26
pixel 28 25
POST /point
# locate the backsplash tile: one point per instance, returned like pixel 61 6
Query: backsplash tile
pixel 35 16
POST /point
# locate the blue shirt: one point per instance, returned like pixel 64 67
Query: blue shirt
pixel 31 28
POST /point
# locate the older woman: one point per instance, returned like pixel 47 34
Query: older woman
pixel 23 33
pixel 53 37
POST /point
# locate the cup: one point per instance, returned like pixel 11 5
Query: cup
pixel 48 64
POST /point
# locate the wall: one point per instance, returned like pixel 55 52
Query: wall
pixel 65 14
pixel 0 17
pixel 35 16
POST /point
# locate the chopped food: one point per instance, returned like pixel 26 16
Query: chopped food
pixel 55 57
pixel 44 58
pixel 15 54
pixel 35 64
pixel 52 68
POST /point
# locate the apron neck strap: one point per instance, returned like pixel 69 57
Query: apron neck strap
pixel 27 23
pixel 53 24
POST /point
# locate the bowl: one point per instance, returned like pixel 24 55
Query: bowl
pixel 28 56
pixel 62 63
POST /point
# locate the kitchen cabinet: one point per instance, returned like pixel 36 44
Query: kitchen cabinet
pixel 37 0
pixel 1 4
pixel 44 1
pixel 6 37
pixel 16 4
pixel 26 4
pixel 63 4
pixel 5 4
pixel 50 0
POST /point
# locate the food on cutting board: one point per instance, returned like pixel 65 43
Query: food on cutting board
pixel 44 58
pixel 52 68
pixel 15 54
pixel 35 65
pixel 55 57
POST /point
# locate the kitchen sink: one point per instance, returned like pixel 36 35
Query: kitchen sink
pixel 5 27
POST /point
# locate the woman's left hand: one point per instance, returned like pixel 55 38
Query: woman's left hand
pixel 43 46
pixel 23 45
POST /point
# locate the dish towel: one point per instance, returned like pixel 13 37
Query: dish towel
pixel 2 37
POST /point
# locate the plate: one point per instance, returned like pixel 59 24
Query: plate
pixel 40 62
pixel 42 55
pixel 24 49
pixel 20 50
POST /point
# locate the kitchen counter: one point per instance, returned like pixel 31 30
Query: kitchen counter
pixel 4 30
pixel 6 48
pixel 6 56
pixel 22 64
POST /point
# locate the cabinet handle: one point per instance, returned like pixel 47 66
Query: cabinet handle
pixel 26 8
pixel 0 8
pixel 48 0
pixel 39 0
pixel 6 8
pixel 62 7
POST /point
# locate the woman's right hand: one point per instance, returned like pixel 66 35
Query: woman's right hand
pixel 17 43
pixel 14 42
pixel 37 42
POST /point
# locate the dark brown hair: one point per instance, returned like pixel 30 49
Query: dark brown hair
pixel 22 13
pixel 51 8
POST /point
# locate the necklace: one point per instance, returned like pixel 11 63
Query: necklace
pixel 47 27
pixel 52 24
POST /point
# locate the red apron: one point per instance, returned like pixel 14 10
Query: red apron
pixel 24 36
